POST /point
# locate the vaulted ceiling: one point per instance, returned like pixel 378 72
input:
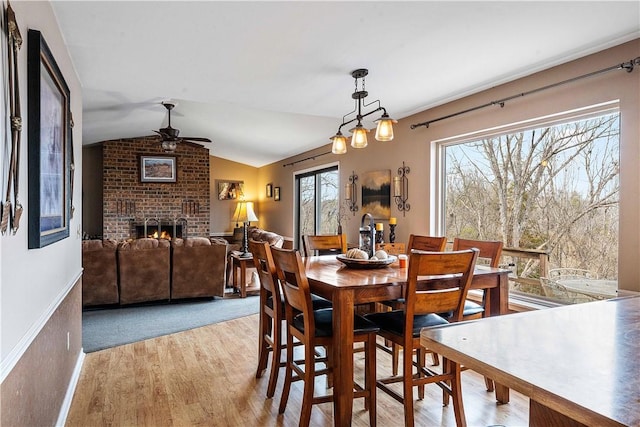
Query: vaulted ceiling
pixel 267 80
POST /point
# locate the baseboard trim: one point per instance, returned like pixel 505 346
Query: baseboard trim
pixel 19 350
pixel 68 397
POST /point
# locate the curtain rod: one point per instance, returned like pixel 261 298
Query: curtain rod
pixel 305 159
pixel 628 66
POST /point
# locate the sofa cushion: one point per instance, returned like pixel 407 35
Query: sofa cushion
pixel 99 274
pixel 270 237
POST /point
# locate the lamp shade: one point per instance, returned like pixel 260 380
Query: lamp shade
pixel 339 144
pixel 384 131
pixel 359 137
pixel 244 212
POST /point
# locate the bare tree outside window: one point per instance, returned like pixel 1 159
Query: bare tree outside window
pixel 554 189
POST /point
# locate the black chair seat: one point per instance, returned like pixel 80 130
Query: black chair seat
pixel 324 323
pixel 318 303
pixel 471 308
pixel 393 321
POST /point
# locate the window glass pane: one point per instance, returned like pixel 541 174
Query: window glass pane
pixel 552 191
pixel 328 200
pixel 307 205
pixel 318 202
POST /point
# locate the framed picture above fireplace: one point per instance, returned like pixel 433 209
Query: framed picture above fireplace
pixel 157 168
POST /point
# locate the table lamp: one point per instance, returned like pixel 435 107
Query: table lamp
pixel 244 213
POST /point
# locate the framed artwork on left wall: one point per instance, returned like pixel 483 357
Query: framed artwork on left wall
pixel 49 146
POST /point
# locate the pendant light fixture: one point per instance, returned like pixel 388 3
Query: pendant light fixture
pixel 384 130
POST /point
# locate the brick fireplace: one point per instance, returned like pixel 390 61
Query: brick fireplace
pixel 129 203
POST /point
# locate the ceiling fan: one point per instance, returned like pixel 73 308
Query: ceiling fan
pixel 170 138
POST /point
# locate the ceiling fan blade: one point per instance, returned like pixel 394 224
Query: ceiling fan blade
pixel 194 138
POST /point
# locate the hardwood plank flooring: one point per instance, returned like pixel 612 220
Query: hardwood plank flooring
pixel 206 377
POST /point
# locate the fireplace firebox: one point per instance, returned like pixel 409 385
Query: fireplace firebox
pixel 159 228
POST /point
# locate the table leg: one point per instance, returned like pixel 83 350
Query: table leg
pixel 243 279
pixel 499 300
pixel 342 357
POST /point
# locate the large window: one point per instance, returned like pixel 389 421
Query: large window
pixel 317 202
pixel 550 193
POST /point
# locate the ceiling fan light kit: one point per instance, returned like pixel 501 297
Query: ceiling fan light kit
pixel 170 135
pixel 384 130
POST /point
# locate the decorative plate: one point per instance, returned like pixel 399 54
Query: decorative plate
pixel 366 263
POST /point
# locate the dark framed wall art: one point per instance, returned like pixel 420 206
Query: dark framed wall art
pixel 49 146
pixel 158 169
pixel 376 193
pixel 269 190
pixel 276 194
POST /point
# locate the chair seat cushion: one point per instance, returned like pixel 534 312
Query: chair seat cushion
pixel 393 321
pixel 324 323
pixel 471 308
pixel 318 303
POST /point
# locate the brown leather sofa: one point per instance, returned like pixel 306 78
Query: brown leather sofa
pixel 100 273
pixel 198 267
pixel 144 270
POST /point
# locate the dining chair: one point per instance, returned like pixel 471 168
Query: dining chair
pixel 272 313
pixel 315 328
pixel 420 243
pixel 420 311
pixel 321 243
pixel 490 251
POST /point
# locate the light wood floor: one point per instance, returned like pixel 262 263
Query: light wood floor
pixel 206 377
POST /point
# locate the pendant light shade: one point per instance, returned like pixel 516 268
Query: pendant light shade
pixel 359 136
pixel 384 131
pixel 339 143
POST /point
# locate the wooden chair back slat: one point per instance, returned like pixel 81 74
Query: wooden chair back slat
pixel 334 242
pixel 426 243
pixel 489 249
pixel 454 292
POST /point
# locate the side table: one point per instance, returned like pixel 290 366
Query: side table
pixel 240 262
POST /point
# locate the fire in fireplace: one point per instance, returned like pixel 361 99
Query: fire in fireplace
pixel 159 229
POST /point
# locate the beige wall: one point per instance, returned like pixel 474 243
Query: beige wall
pixel 222 210
pixel 414 147
pixel 40 293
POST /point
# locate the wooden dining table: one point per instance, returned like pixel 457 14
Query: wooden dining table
pixel 578 364
pixel 346 287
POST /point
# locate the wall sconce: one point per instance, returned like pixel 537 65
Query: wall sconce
pixel 401 189
pixel 351 193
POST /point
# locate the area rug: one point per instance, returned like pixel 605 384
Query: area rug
pixel 108 328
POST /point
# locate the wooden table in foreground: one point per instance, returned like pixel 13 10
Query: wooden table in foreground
pixel 346 287
pixel 579 364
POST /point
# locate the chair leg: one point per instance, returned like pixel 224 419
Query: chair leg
pixel 421 358
pixel 263 347
pixel 288 374
pixel 370 378
pixel 407 383
pixel 395 355
pixel 436 360
pixel 309 380
pixel 489 383
pixel 456 392
pixel 276 354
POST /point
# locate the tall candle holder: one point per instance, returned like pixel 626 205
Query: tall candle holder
pixel 392 233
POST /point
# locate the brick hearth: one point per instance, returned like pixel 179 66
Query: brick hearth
pixel 127 200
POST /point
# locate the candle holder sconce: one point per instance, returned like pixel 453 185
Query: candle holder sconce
pixel 401 189
pixel 351 193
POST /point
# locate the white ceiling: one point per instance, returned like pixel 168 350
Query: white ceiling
pixel 267 80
